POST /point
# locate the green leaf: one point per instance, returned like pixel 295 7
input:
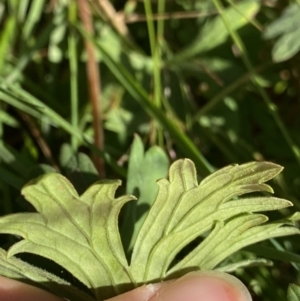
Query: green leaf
pixel 214 33
pixel 140 95
pixel 239 232
pixel 286 46
pixel 287 27
pixel 184 210
pixel 81 233
pixel 288 21
pixel 11 178
pixel 7 119
pixel 273 253
pixel 245 264
pixel 78 167
pixel 144 169
pixel 76 232
pixel 293 292
pixel 21 99
pixel 16 161
pixel 17 269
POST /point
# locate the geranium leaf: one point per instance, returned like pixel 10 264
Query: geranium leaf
pixel 184 210
pixel 78 168
pixel 142 184
pixel 17 269
pixel 79 233
pixel 227 239
pixel 245 264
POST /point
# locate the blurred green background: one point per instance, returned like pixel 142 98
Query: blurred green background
pixel 215 81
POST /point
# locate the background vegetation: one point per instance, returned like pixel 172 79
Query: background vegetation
pixel 215 81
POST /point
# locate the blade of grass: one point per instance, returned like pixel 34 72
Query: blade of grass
pixel 183 142
pixel 26 56
pixel 155 54
pixel 72 47
pixel 272 108
pixel 8 98
pixel 158 53
pixel 8 33
pixel 19 98
pixel 273 253
pixel 10 178
pixel 16 161
pixel 33 16
pixel 23 9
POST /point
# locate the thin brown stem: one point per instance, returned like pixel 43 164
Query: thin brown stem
pixel 110 15
pixel 93 84
pixel 132 18
pixel 39 139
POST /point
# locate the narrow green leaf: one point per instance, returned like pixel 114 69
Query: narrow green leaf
pixel 34 14
pixel 7 119
pixel 245 264
pixel 8 33
pixel 21 99
pixel 273 253
pixel 16 161
pixel 10 178
pixel 133 87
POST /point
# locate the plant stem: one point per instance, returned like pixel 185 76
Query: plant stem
pixel 74 73
pixel 155 53
pixel 94 84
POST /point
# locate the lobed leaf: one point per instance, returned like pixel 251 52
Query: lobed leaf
pixel 17 269
pixel 79 233
pixel 142 183
pixel 185 210
pixel 234 235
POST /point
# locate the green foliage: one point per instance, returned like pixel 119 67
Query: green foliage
pixel 81 233
pixel 293 292
pixel 212 81
pixel 287 26
pixel 142 184
pixel 17 269
pixel 214 33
